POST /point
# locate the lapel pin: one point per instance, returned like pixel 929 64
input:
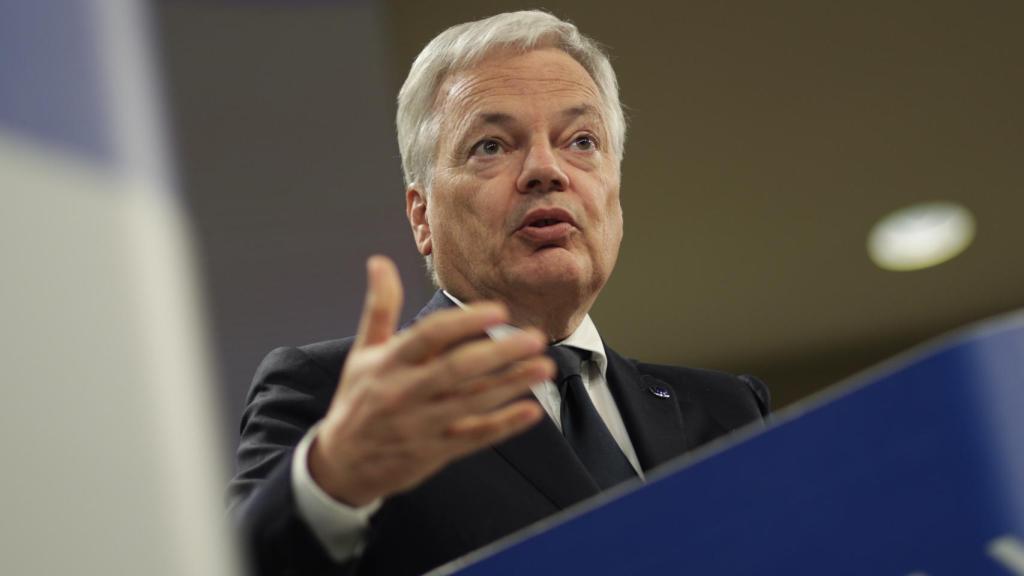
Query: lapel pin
pixel 660 391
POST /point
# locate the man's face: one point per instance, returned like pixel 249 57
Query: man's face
pixel 525 196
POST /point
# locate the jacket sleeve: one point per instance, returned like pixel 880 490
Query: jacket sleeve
pixel 289 394
pixel 761 394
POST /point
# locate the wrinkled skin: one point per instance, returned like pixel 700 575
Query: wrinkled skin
pixel 522 132
pixel 523 222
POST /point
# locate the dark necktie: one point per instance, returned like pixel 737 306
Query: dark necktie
pixel 582 426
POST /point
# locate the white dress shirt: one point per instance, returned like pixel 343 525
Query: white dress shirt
pixel 340 527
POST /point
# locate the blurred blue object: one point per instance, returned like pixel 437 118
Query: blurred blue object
pixel 50 75
pixel 110 455
pixel 916 467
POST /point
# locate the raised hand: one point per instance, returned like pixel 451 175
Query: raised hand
pixel 411 402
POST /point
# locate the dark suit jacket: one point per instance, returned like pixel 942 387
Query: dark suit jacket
pixel 472 501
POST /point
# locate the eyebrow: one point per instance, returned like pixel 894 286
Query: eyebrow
pixel 579 111
pixel 489 118
pixel 505 120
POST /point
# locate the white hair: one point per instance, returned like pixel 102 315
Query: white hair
pixel 462 46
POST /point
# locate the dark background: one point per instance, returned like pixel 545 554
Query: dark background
pixel 765 140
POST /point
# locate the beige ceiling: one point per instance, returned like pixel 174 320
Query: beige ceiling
pixel 765 140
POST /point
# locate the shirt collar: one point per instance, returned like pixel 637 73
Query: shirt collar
pixel 585 337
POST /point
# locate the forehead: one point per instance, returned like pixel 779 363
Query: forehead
pixel 510 80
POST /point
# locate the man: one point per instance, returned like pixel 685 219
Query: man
pixel 393 452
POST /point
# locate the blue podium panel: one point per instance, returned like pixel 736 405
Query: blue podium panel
pixel 916 467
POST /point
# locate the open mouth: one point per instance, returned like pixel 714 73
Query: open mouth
pixel 545 217
pixel 547 227
pixel 545 222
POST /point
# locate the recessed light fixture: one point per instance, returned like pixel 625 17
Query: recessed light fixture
pixel 921 236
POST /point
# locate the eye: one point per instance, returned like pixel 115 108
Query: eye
pixel 486 147
pixel 584 142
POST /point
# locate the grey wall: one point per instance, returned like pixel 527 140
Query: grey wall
pixel 283 121
pixel 765 140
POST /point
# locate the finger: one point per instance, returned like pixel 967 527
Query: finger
pixel 449 373
pixel 496 392
pixel 442 330
pixel 477 431
pixel 529 372
pixel 383 302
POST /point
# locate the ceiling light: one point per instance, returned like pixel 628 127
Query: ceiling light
pixel 920 236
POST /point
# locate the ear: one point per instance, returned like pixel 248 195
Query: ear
pixel 416 211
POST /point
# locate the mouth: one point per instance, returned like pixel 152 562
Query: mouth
pixel 546 217
pixel 547 227
pixel 544 222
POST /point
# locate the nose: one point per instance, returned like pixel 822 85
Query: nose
pixel 541 171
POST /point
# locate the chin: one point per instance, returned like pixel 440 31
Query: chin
pixel 551 274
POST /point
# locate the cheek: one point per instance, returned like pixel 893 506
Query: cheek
pixel 491 168
pixel 611 208
pixel 469 217
pixel 612 218
pixel 613 232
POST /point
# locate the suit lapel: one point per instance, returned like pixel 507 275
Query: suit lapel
pixel 438 302
pixel 654 423
pixel 540 454
pixel 546 460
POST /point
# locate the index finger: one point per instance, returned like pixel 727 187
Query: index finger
pixel 442 330
pixel 383 302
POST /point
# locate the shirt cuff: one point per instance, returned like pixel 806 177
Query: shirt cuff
pixel 338 527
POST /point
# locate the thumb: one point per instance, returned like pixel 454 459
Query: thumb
pixel 383 302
